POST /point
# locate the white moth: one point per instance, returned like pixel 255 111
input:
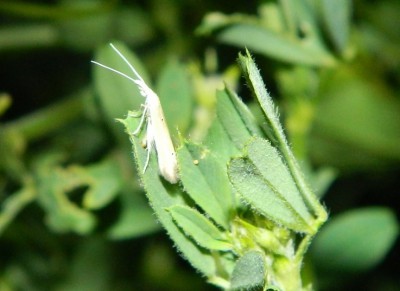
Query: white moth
pixel 157 134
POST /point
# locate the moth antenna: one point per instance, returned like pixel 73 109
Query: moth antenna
pixel 115 71
pixel 127 62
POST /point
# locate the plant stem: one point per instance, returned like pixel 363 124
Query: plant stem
pixel 28 36
pixel 47 120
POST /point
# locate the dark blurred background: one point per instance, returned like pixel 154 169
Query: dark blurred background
pixel 52 119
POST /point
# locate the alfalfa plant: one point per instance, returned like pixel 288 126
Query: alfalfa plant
pixel 243 213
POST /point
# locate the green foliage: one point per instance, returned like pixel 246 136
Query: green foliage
pixel 356 240
pixel 74 199
pixel 249 272
pixel 271 191
pixel 274 33
pixel 203 232
pixel 338 23
pixel 265 183
pixel 282 48
pixel 294 33
pixel 375 132
pixel 174 89
pixel 206 182
pixel 162 197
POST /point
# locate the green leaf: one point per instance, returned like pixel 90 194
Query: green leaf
pixel 243 111
pixel 101 182
pixel 277 136
pixel 235 117
pixel 54 185
pixel 233 126
pixel 258 89
pixel 322 179
pixel 275 45
pixel 219 142
pixel 356 240
pixel 5 102
pixel 231 120
pixel 263 180
pixel 196 226
pixel 11 206
pixel 104 180
pixel 175 93
pixel 249 272
pixel 136 218
pixel 163 195
pixel 301 16
pixel 90 267
pixel 206 182
pixel 336 17
pixel 350 98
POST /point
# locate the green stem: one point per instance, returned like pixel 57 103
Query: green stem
pixel 42 122
pixel 302 248
pixel 15 203
pixel 305 190
pixel 54 11
pixel 28 36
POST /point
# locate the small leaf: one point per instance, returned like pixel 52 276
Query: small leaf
pixel 356 240
pixel 219 142
pixel 136 218
pixel 257 87
pixel 336 17
pixel 275 45
pixel 264 181
pixel 322 179
pixel 206 182
pixel 175 93
pixel 249 272
pixel 199 228
pixel 14 203
pixel 372 140
pixel 233 126
pixel 54 184
pixel 231 120
pixel 104 180
pixel 245 114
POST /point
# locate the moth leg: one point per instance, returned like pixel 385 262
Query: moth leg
pixel 135 114
pixel 147 161
pixel 149 143
pixel 144 114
